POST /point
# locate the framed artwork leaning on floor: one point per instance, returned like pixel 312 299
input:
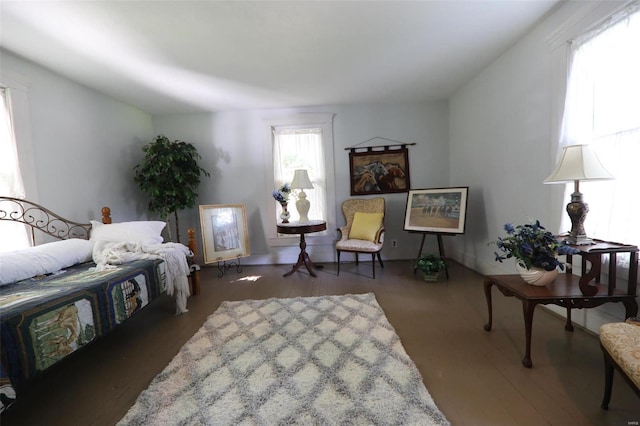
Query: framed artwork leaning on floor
pixel 224 232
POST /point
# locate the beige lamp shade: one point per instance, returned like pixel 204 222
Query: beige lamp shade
pixel 578 162
pixel 301 180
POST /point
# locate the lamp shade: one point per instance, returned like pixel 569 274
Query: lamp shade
pixel 301 180
pixel 578 162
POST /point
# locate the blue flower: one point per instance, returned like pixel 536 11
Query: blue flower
pixel 281 195
pixel 532 246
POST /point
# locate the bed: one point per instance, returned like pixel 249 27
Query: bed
pixel 85 281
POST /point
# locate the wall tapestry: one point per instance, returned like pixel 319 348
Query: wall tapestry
pixel 379 171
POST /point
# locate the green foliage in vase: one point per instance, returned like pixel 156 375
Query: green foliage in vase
pixel 170 175
pixel 430 263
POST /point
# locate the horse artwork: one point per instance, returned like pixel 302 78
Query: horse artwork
pixel 437 210
pixel 379 172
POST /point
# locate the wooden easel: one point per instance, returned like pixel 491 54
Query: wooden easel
pixel 440 250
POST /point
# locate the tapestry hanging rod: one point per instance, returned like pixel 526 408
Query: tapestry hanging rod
pixel 387 146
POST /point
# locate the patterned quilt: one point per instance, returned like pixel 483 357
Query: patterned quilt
pixel 46 318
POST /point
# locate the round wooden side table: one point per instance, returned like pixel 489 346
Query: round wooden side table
pixel 303 228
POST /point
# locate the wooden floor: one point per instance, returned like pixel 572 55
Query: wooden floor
pixel 474 376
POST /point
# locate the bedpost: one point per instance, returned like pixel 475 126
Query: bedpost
pixel 106 215
pixel 195 268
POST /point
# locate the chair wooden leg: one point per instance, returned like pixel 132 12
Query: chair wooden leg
pixel 338 262
pixel 373 264
pixel 608 379
pixel 380 260
pixel 356 259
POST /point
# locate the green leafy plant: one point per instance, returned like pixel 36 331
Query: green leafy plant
pixel 170 176
pixel 430 264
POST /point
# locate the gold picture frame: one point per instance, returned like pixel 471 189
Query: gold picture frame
pixel 224 232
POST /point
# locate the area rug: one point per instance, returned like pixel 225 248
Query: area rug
pixel 308 360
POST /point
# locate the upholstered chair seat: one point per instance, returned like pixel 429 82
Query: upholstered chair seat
pixel 620 344
pixel 364 231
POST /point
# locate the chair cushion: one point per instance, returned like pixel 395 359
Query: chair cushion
pixel 359 246
pixel 365 226
pixel 622 341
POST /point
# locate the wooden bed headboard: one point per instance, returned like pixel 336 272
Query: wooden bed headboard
pixel 44 220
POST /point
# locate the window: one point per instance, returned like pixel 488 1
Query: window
pixel 301 148
pixel 303 142
pixel 602 108
pixel 14 235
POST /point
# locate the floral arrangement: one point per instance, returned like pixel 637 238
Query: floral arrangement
pixel 281 194
pixel 533 246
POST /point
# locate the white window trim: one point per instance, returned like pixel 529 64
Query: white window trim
pixel 325 122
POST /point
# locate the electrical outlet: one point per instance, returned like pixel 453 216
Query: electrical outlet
pixel 394 243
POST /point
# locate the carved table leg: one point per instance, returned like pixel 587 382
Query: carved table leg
pixel 487 294
pixel 569 325
pixel 303 259
pixel 630 308
pixel 527 308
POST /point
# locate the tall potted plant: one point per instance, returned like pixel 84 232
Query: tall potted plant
pixel 169 174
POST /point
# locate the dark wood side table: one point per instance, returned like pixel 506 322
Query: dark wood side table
pixel 303 228
pixel 571 291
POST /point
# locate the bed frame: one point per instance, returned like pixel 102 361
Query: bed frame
pixel 41 219
pixel 104 303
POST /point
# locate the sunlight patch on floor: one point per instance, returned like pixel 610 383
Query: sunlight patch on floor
pixel 249 278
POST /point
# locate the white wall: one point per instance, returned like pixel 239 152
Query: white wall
pixel 503 137
pixel 234 146
pixel 84 144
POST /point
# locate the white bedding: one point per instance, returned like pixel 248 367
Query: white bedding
pixel 43 259
pixel 108 245
pixel 106 254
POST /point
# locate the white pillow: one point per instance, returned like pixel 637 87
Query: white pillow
pixel 43 259
pixel 146 232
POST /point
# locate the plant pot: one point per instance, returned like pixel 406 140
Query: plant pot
pixel 431 277
pixel 537 276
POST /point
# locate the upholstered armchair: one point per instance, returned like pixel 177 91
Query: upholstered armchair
pixel 364 231
pixel 620 343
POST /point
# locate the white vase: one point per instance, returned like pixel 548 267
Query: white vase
pixel 285 215
pixel 537 276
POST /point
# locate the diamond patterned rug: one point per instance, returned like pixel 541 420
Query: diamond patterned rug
pixel 309 360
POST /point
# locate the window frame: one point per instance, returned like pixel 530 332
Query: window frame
pixel 324 121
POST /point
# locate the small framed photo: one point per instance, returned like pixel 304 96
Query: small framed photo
pixel 437 210
pixel 224 232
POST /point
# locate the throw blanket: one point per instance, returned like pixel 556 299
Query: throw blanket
pixel 106 254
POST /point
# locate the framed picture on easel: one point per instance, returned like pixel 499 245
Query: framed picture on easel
pixel 436 210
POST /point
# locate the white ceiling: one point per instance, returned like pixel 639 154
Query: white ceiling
pixel 184 56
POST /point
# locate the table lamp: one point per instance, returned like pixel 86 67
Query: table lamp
pixel 301 181
pixel 578 162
